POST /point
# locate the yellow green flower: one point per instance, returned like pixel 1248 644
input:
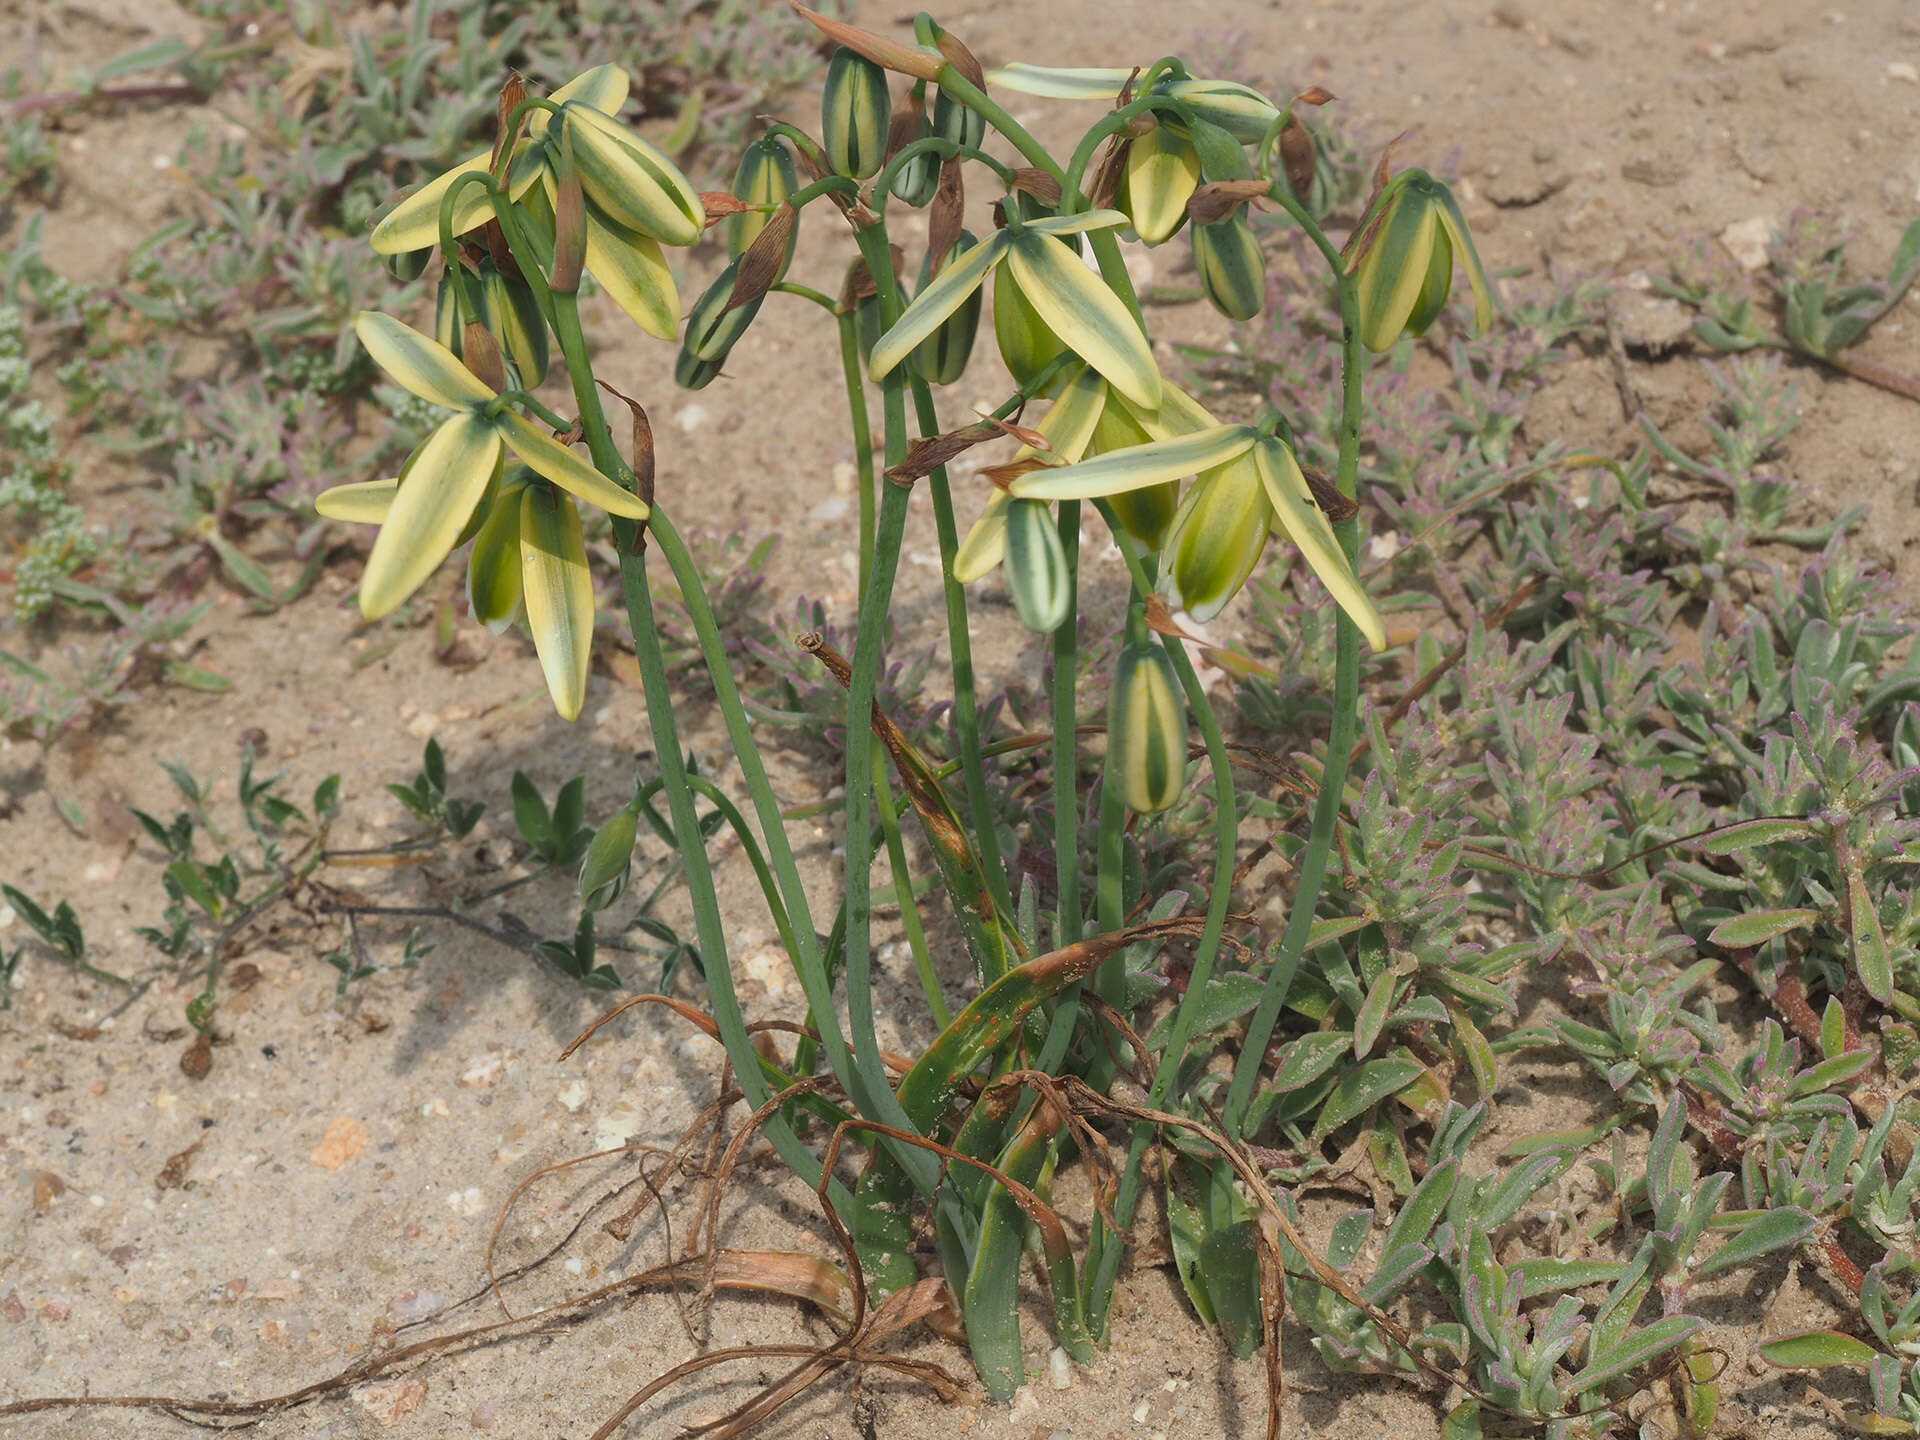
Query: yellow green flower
pixel 430 507
pixel 1068 298
pixel 1402 258
pixel 636 200
pixel 1240 110
pixel 1248 484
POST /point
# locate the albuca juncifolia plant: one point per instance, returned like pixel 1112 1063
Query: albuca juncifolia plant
pixel 1074 1040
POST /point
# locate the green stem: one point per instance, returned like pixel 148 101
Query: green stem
pixel 903 894
pixel 862 439
pixel 1346 704
pixel 875 601
pixel 701 890
pixel 1066 743
pixel 966 710
pixel 1101 1276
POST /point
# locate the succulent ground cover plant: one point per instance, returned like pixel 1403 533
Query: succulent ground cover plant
pixel 1545 839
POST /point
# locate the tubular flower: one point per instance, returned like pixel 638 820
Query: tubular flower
pixel 432 505
pixel 1162 172
pixel 1402 257
pixel 1068 427
pixel 1248 484
pixel 528 565
pixel 636 200
pixel 1069 299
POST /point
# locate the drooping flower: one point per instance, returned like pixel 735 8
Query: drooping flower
pixel 1402 257
pixel 636 199
pixel 528 565
pixel 1087 317
pixel 1248 484
pixel 431 506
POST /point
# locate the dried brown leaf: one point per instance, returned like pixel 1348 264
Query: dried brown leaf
pixel 961 58
pixel 480 353
pixel 760 266
pixel 909 118
pixel 926 455
pixel 511 94
pixel 1315 95
pixel 1216 200
pixel 1039 184
pixel 906 59
pixel 719 204
pixel 1297 156
pixel 1327 496
pixel 945 214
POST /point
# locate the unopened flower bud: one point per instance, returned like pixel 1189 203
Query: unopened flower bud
pixel 855 115
pixel 609 858
pixel 1146 729
pixel 1037 570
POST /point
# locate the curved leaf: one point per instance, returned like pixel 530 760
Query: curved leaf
pixel 1815 1350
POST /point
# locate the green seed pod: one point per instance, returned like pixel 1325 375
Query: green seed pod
pixel 1161 174
pixel 854 114
pixel 1146 730
pixel 1233 272
pixel 609 858
pixel 408 264
pixel 942 357
pixel 956 122
pixel 713 329
pixel 1036 562
pixel 1027 343
pixel 516 322
pixel 766 177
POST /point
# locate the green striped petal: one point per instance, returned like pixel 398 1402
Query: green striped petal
pixel 1139 466
pixel 1038 575
pixel 1240 110
pixel 1217 538
pixel 429 510
pixel 493 566
pixel 558 594
pixel 567 470
pixel 1077 223
pixel 986 543
pixel 631 181
pixel 363 503
pixel 632 270
pixel 1307 526
pixel 1070 421
pixel 1468 258
pixel 957 280
pixel 603 88
pixel 1146 513
pixel 1059 83
pixel 421 366
pixel 414 224
pixel 1177 414
pixel 1079 308
pixel 1394 269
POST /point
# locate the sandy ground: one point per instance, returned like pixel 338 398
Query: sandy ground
pixel 337 1172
